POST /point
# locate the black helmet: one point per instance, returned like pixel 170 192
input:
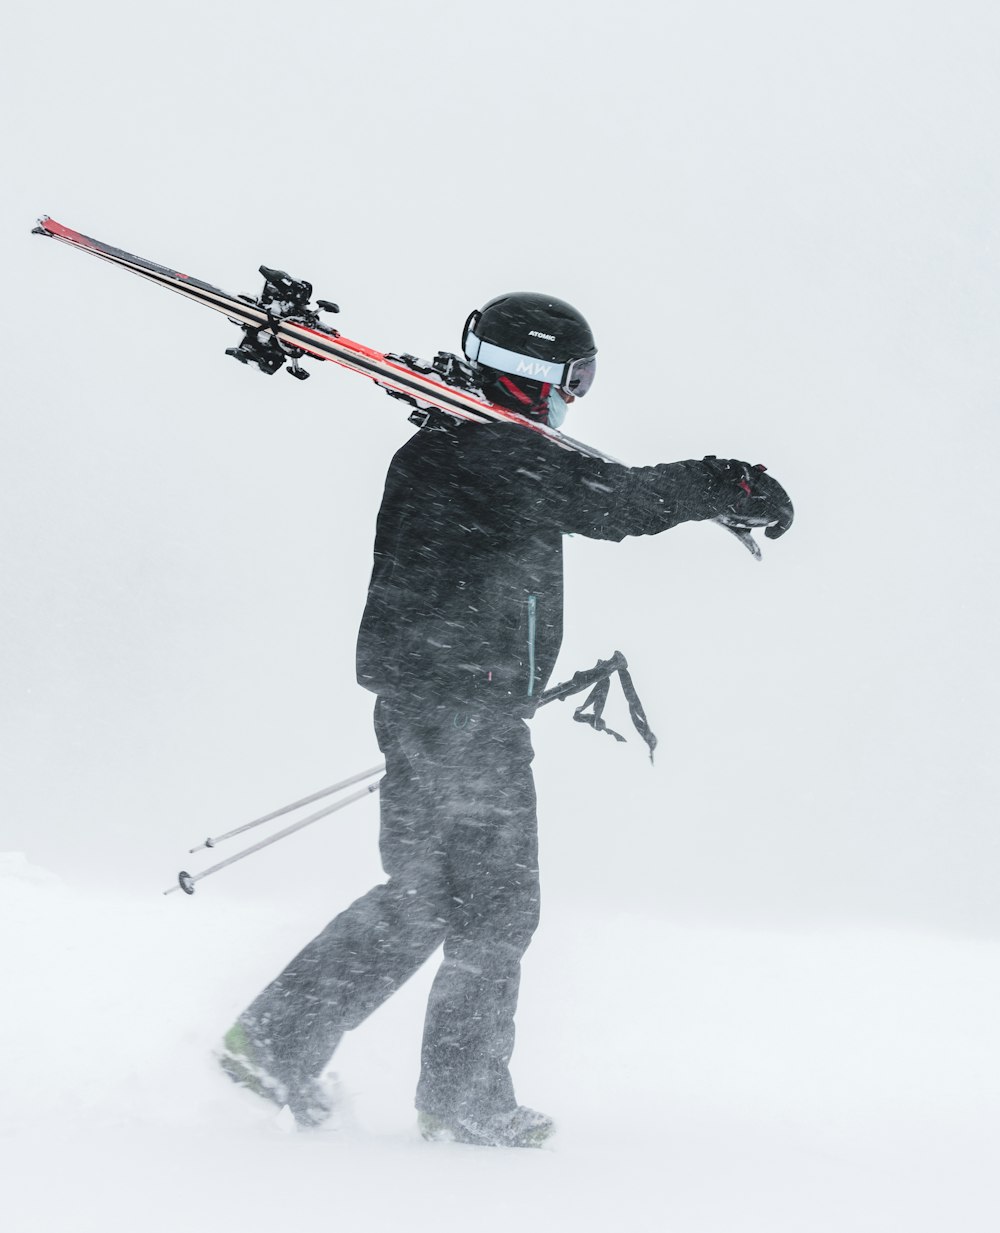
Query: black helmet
pixel 534 337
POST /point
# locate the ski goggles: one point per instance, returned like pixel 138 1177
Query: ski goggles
pixel 575 377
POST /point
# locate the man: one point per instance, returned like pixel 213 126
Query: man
pixel 458 639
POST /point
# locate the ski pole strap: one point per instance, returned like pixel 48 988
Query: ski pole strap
pixel 598 680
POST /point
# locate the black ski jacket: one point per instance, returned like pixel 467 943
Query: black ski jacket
pixel 466 595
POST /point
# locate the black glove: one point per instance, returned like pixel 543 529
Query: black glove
pixel 748 496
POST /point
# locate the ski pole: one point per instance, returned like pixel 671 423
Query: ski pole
pixel 582 680
pixel 186 881
pixel 306 800
pixel 596 677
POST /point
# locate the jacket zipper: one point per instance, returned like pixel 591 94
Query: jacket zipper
pixel 532 623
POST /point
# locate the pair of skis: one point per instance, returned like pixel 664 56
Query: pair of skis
pixel 281 328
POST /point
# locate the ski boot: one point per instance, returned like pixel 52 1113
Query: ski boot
pixel 250 1064
pixel 518 1127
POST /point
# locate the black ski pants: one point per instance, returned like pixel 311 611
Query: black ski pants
pixel 458 840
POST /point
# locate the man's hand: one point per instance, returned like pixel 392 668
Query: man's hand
pixel 749 497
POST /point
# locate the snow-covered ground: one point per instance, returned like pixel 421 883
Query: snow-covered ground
pixel 704 1080
pixel 765 995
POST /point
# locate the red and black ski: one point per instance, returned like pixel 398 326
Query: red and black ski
pixel 282 327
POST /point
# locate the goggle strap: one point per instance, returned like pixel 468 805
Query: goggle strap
pixel 576 376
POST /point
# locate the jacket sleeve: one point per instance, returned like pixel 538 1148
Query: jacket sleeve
pixel 605 500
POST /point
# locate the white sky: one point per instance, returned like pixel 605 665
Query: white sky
pixel 782 221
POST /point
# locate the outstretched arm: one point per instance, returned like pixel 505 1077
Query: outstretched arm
pixel 609 501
